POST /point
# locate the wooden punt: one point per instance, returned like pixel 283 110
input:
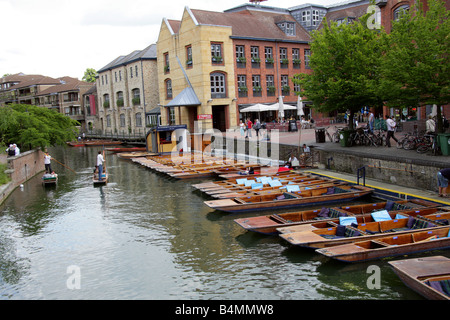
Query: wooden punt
pixel 130 149
pixel 100 182
pixel 269 170
pixel 283 177
pixel 390 246
pixel 317 196
pixel 49 179
pixel 428 276
pixel 319 236
pixel 96 143
pixel 134 154
pixel 76 143
pixel 285 222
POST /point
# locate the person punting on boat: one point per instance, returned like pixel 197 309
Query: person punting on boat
pixel 47 163
pixel 100 161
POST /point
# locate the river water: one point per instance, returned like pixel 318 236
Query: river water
pixel 144 236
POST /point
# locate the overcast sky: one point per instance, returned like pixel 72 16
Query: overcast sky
pixel 60 38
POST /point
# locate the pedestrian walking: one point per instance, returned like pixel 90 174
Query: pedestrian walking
pixel 371 121
pixel 249 126
pixel 242 128
pixel 257 127
pixel 390 123
pixel 443 176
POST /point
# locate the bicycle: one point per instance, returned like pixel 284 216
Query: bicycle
pixel 335 136
pixel 429 143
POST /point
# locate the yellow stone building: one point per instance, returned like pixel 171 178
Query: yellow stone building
pixel 196 68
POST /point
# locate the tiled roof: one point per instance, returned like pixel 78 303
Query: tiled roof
pixel 145 54
pixel 252 24
pixel 67 84
pixel 36 80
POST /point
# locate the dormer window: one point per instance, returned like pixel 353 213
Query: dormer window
pixel 287 27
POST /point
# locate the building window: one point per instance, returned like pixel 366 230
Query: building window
pixel 400 10
pixel 166 63
pixel 218 87
pixel 285 85
pixel 115 75
pixel 306 16
pixel 256 84
pixel 240 54
pixel 284 58
pixel 138 120
pixel 216 53
pixel 296 57
pixel 106 101
pixel 189 56
pixel 119 97
pixel 242 85
pixel 270 85
pixel 131 72
pixel 106 79
pixel 315 17
pixel 171 115
pixel 307 56
pixel 290 29
pixel 136 94
pixel 120 75
pixel 254 51
pixel 122 120
pixel 103 83
pixel 268 55
pixel 169 89
pixel 108 121
pixel 136 70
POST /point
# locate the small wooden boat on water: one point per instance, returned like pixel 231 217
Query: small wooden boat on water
pixel 352 229
pixel 96 143
pixel 98 182
pixel 76 143
pixel 134 154
pixel 49 179
pixel 285 222
pixel 130 149
pixel 428 276
pixel 390 246
pixel 264 185
pixel 316 196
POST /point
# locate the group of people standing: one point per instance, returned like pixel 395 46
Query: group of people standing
pixel 13 150
pixel 247 127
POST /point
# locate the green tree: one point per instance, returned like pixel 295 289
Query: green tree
pixel 30 127
pixel 89 75
pixel 416 66
pixel 344 60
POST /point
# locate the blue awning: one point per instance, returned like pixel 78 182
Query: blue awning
pixel 187 97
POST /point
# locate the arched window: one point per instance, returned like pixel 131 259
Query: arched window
pixel 122 120
pixel 218 85
pixel 400 10
pixel 136 96
pixel 138 120
pixel 169 89
pixel 106 101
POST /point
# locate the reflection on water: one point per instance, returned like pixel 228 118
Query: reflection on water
pixel 144 236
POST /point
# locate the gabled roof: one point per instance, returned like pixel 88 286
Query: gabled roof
pixel 148 53
pixel 251 24
pixel 36 80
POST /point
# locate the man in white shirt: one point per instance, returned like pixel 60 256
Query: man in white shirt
pixel 47 163
pixel 390 123
pixel 100 161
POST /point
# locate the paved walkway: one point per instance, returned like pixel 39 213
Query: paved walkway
pixel 308 137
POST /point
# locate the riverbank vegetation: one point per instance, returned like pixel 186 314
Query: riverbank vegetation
pixel 32 127
pixel 4 178
pixel 359 64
